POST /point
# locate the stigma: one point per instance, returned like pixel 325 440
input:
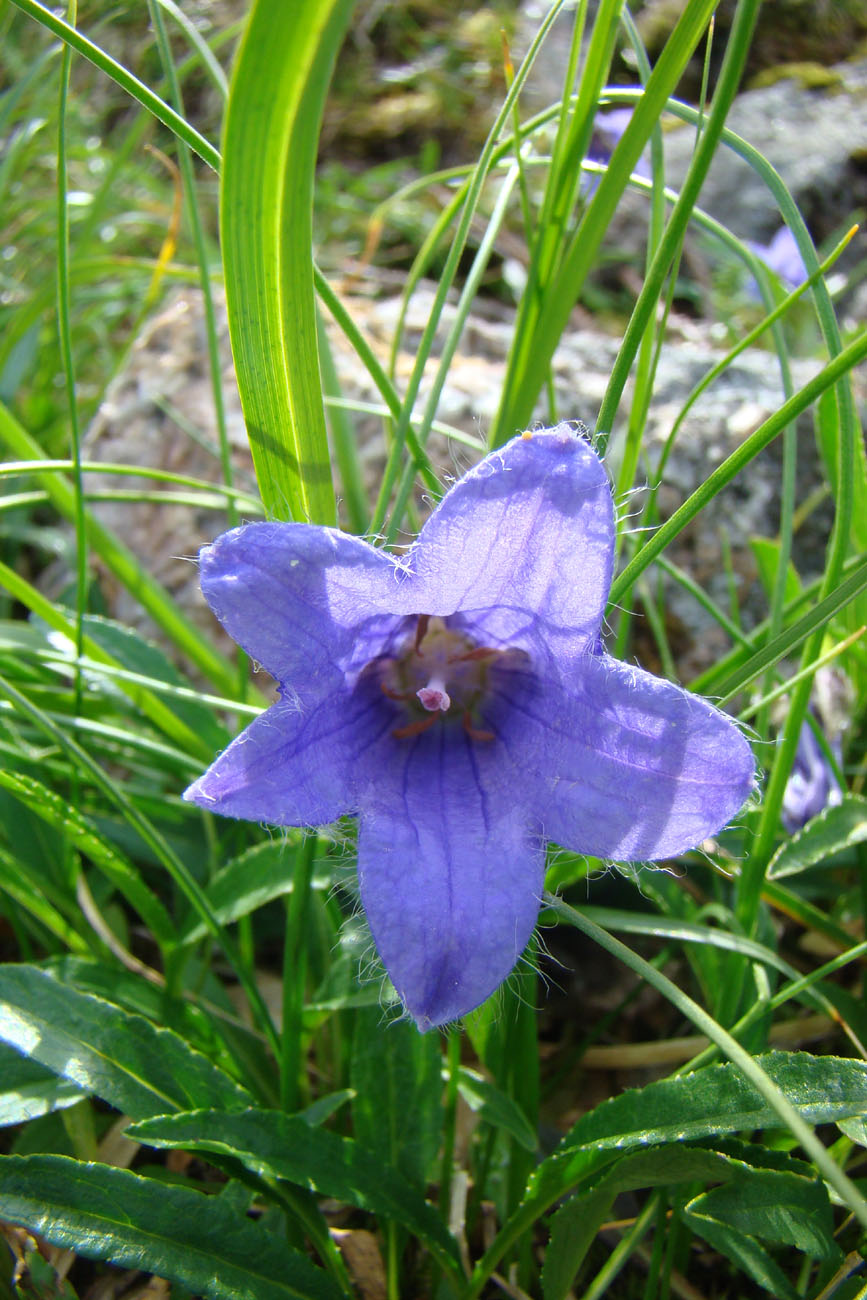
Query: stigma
pixel 440 674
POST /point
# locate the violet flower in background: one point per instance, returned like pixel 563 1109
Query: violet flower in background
pixel 607 131
pixel 812 784
pixel 783 257
pixel 459 701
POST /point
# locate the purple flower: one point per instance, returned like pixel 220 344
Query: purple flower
pixel 459 701
pixel 812 784
pixel 607 131
pixel 782 256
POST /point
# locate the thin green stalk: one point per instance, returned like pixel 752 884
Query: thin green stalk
pixel 473 194
pixel 125 566
pixel 292 1085
pixel 67 359
pixel 534 347
pixel 731 73
pixel 619 1256
pixel 450 1114
pixel 468 293
pixel 785 687
pixel 189 182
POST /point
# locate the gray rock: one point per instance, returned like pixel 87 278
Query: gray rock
pixel 163 398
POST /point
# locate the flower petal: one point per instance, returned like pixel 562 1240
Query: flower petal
pixel 450 873
pixel 630 766
pixel 526 535
pixel 303 601
pixel 294 767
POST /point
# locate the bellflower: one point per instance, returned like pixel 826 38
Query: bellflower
pixel 783 257
pixel 607 131
pixel 812 784
pixel 459 700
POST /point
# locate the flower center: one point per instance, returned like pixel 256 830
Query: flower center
pixel 440 673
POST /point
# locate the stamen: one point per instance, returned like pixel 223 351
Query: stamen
pixel 475 733
pixel 480 652
pixel 394 695
pixel 421 631
pixel 414 728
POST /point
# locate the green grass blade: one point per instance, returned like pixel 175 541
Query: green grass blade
pixel 537 338
pixel 124 78
pixel 123 564
pixel 750 448
pixel 276 100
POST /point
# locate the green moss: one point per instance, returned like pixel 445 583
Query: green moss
pixel 809 76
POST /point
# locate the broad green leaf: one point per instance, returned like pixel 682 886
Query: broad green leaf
pixel 766 555
pixel 831 831
pixel 275 1145
pixel 395 1072
pixel 210 1024
pixel 269 154
pixel 780 1208
pixel 127 647
pixel 324 1107
pixel 262 873
pixel 122 1058
pixel 855 1129
pixel 496 1108
pixel 745 1253
pixel 28 1089
pixel 85 838
pixel 575 1225
pixel 714 1100
pixel 198 1241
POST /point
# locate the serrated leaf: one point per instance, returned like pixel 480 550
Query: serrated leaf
pixel 28 1089
pixel 496 1108
pixel 710 1101
pixel 81 833
pixel 779 1207
pixel 831 831
pixel 195 1240
pixel 573 1229
pixel 261 874
pixel 275 1145
pixel 745 1253
pixel 575 1225
pixel 122 1058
